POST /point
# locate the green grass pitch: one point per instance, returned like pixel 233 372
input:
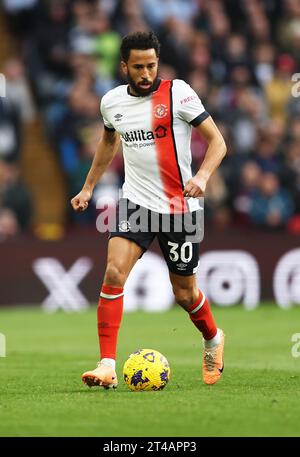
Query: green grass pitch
pixel 41 393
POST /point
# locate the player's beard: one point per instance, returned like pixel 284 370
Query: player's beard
pixel 140 90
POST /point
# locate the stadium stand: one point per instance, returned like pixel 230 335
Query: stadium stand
pixel 240 57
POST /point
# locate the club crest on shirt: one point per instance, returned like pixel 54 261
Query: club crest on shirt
pixel 160 111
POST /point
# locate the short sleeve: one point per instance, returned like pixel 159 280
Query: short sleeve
pixel 190 107
pixel 107 125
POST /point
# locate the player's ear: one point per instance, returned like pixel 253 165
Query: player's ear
pixel 124 67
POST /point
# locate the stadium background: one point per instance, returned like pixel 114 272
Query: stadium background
pixel 59 58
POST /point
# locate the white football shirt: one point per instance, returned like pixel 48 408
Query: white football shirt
pixel 156 135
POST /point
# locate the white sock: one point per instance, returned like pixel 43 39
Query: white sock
pixel 109 363
pixel 214 341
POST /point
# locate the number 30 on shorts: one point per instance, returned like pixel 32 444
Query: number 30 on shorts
pixel 184 253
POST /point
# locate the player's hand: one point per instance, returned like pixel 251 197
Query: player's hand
pixel 81 201
pixel 195 187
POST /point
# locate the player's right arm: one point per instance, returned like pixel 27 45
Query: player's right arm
pixel 105 152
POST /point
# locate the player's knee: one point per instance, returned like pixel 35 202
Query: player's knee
pixel 114 276
pixel 184 297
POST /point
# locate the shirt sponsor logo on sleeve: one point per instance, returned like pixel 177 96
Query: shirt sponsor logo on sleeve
pixel 188 99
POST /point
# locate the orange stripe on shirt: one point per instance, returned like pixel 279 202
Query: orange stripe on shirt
pixel 162 125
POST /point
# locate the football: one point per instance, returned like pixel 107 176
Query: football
pixel 146 369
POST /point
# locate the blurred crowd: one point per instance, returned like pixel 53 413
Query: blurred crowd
pixel 240 56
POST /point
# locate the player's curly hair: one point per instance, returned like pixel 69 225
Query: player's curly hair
pixel 139 40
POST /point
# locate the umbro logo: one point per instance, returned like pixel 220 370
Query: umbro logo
pixel 118 116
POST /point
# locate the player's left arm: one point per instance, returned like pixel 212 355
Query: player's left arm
pixel 216 150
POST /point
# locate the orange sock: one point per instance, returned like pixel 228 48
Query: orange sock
pixel 202 317
pixel 109 314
